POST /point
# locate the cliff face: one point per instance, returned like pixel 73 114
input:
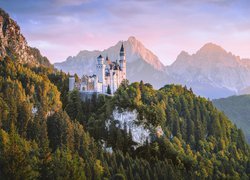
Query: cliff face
pixel 13 43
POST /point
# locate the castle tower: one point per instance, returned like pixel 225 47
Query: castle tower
pixel 100 69
pixel 71 83
pixel 123 62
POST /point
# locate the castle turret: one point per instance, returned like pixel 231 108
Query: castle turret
pixel 71 83
pixel 123 62
pixel 100 69
pixel 107 63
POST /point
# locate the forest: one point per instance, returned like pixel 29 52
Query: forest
pixel 47 132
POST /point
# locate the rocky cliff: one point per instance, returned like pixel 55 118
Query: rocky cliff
pixel 13 43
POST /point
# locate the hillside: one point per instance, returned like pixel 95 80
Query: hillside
pixel 47 132
pixel 14 45
pixel 237 108
pixel 170 129
pixel 168 123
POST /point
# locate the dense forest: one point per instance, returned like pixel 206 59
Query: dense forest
pixel 48 133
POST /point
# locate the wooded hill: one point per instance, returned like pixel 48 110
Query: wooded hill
pixel 48 133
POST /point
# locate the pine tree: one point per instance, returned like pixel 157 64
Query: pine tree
pixel 74 107
pixel 108 90
pixel 60 131
pixel 17 156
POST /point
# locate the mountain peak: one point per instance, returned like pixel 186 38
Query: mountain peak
pixel 132 38
pixel 183 54
pixel 134 42
pixel 211 48
pixel 137 50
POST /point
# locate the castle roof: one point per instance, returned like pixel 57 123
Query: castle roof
pixel 107 73
pixel 115 66
pixel 108 62
pixel 92 76
pixel 122 48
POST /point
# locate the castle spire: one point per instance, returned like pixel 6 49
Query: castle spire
pixel 122 52
pixel 122 48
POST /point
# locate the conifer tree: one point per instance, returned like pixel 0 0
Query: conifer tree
pixel 108 90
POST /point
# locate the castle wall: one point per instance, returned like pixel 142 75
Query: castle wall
pixel 100 82
pixel 84 95
pixel 71 83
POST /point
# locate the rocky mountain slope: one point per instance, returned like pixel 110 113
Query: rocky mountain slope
pixel 13 43
pixel 40 138
pixel 237 109
pixel 142 64
pixel 211 72
pixel 213 67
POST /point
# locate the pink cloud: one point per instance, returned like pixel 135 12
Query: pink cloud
pixel 165 27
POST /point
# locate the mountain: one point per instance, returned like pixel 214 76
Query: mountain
pixel 171 123
pixel 139 133
pixel 13 43
pixel 211 71
pixel 237 108
pixel 142 64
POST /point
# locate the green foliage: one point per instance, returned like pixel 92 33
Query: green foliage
pixel 60 131
pixel 22 91
pixel 18 157
pixel 45 134
pixel 74 106
pixel 64 165
pixel 196 134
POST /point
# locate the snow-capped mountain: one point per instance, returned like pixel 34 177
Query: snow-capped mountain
pixel 142 64
pixel 212 71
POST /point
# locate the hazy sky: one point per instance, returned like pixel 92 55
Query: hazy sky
pixel 60 28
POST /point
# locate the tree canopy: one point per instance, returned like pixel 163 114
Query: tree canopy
pixel 48 133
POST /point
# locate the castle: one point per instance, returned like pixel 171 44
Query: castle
pixel 107 79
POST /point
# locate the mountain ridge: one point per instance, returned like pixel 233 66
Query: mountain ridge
pixel 46 131
pixel 132 46
pixel 193 70
pixel 14 44
pixel 141 62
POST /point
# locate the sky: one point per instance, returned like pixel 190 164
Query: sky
pixel 61 28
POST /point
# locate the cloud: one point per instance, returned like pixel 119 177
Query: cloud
pixel 63 27
pixel 71 2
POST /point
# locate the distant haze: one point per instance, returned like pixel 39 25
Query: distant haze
pixel 60 28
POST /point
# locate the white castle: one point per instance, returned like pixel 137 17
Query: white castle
pixel 107 79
